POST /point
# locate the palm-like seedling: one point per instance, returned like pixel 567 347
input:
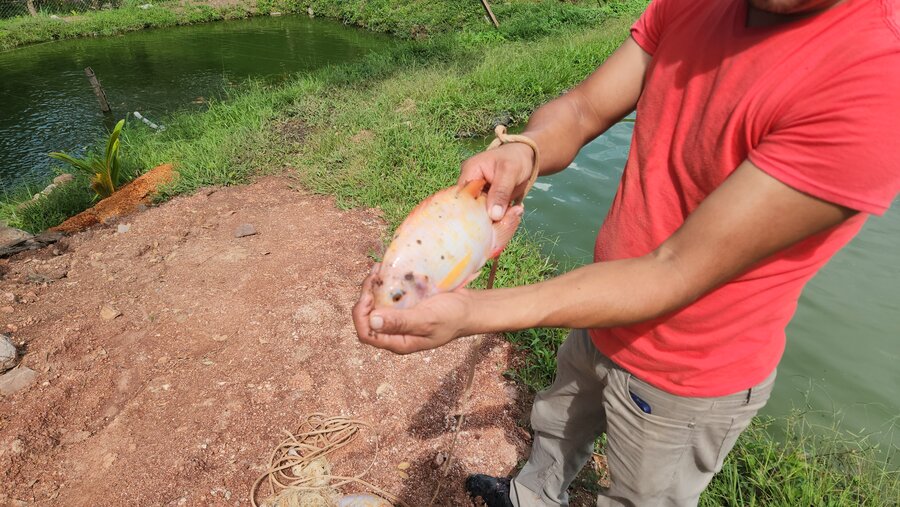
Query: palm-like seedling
pixel 104 172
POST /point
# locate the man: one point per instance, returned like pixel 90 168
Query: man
pixel 766 133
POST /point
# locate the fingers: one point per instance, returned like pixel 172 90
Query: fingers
pixel 401 322
pixel 500 193
pixel 365 305
pixel 506 169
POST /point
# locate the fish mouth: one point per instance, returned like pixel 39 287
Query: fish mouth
pixel 396 295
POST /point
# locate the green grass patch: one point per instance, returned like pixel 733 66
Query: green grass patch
pixel 808 466
pixel 18 210
pixel 129 17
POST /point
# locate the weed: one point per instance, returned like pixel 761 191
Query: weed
pixel 103 171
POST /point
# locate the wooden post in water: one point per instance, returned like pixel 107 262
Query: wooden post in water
pixel 31 9
pixel 487 7
pixel 98 90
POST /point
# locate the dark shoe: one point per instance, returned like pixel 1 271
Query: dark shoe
pixel 494 491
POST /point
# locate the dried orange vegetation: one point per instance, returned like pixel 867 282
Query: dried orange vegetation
pixel 125 201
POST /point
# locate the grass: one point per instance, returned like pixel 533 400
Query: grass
pixel 129 17
pixel 385 132
pixel 810 466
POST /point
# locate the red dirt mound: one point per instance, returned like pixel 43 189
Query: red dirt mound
pixel 123 202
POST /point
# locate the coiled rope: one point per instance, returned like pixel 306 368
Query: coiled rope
pixel 317 437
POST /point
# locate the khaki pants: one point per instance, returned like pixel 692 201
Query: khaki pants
pixel 662 458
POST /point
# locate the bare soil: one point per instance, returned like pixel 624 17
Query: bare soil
pixel 173 355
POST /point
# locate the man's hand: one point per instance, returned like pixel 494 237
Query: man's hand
pixel 507 168
pixel 432 323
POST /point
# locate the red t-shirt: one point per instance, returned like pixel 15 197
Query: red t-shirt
pixel 814 103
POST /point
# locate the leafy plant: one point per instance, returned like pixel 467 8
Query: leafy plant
pixel 104 172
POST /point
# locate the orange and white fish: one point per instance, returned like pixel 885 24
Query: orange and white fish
pixel 442 245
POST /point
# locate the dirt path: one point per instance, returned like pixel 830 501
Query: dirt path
pixel 221 344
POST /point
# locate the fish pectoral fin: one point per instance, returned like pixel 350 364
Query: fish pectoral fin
pixel 506 228
pixel 474 188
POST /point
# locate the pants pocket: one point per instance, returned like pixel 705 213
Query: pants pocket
pixel 644 450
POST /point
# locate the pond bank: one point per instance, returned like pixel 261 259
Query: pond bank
pixel 382 133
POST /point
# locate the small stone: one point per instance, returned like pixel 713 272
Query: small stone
pixel 141 207
pixel 123 228
pixel 8 353
pixel 219 337
pixel 309 11
pixel 382 389
pixel 9 297
pixel 16 379
pixel 73 437
pixel 12 328
pixel 403 475
pixel 17 446
pixel 109 313
pixel 62 179
pixel 244 230
pixel 403 465
pixel 7 309
pixel 439 459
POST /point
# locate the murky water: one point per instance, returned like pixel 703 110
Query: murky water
pixel 46 103
pixel 843 347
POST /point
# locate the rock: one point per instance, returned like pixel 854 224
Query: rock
pixel 16 379
pixel 123 228
pixel 17 446
pixel 10 236
pixel 73 437
pixel 8 353
pixel 244 230
pixel 109 313
pixel 383 389
pixel 9 297
pixel 7 309
pixel 274 13
pixel 28 243
pixel 145 6
pixel 310 12
pixel 62 179
pixel 54 273
pixel 48 189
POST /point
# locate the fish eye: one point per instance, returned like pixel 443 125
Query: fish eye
pixel 397 295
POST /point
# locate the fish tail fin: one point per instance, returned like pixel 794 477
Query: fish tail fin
pixel 474 188
pixel 505 229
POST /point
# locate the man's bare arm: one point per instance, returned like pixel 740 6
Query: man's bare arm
pixel 748 218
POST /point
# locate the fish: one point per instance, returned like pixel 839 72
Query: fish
pixel 442 245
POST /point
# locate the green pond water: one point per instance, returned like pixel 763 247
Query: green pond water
pixel 46 103
pixel 843 348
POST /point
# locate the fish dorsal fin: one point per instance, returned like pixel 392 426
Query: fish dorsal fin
pixel 505 229
pixel 474 188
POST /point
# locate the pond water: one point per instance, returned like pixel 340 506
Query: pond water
pixel 843 347
pixel 47 104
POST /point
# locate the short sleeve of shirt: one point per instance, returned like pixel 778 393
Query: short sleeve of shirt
pixel 647 30
pixel 840 140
